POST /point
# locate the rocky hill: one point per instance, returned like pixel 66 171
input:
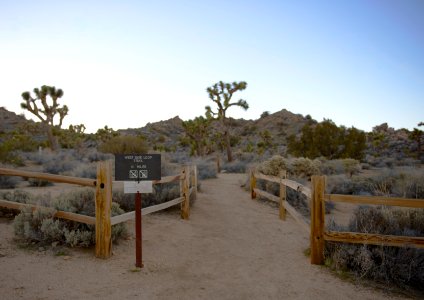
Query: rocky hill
pixel 11 121
pixel 271 130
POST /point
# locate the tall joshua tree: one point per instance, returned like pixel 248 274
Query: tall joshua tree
pixel 46 110
pixel 221 93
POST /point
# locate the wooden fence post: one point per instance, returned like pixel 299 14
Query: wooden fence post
pixel 252 184
pixel 317 220
pixel 103 209
pixel 185 192
pixel 194 181
pixel 283 175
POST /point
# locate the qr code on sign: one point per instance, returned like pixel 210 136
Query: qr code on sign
pixel 143 174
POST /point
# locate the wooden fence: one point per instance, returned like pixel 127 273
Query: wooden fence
pixel 316 228
pixel 103 200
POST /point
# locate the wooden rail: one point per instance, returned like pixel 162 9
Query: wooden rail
pixel 318 234
pixel 58 213
pixel 49 177
pixel 281 199
pixel 103 200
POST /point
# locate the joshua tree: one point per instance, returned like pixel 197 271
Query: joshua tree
pixel 46 111
pixel 221 93
pixel 197 130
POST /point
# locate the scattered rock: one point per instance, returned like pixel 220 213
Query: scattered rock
pixel 67 257
pixel 41 249
pixel 54 244
pixel 2 254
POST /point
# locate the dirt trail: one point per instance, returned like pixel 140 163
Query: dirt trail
pixel 231 248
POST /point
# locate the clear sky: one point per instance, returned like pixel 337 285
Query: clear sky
pixel 127 63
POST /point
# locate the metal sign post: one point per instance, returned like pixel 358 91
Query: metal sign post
pixel 137 171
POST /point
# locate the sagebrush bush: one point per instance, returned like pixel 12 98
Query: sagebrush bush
pixel 407 182
pixel 340 166
pixel 40 226
pixel 59 166
pixel 39 182
pixel 235 167
pixel 17 195
pixel 402 266
pixel 296 167
pixel 273 166
pixel 206 169
pixel 304 167
pixel 84 170
pixel 9 182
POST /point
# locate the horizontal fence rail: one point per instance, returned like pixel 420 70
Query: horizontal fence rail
pixel 103 184
pixel 58 213
pixel 281 199
pixel 49 177
pixel 316 228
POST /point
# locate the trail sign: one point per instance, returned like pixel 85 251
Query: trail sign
pixel 137 171
pixel 137 167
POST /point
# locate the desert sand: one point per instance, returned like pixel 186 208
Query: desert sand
pixel 231 248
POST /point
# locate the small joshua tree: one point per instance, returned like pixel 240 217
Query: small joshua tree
pixel 46 110
pixel 221 93
pixel 197 131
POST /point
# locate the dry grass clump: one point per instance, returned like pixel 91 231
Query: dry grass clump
pixel 392 265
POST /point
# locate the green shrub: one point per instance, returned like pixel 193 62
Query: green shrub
pixel 401 266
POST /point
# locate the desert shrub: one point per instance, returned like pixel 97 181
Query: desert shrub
pixel 304 167
pixel 92 155
pixel 59 165
pixel 27 224
pixel 273 166
pixel 39 182
pixel 84 170
pixel 402 182
pixel 17 195
pixel 206 169
pixel 9 182
pixel 340 166
pixel 235 167
pixel 124 144
pixel 343 184
pixel 40 226
pixel 80 201
pixel 395 265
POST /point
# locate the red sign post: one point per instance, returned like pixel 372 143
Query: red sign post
pixel 138 232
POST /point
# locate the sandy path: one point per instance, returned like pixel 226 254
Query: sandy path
pixel 231 248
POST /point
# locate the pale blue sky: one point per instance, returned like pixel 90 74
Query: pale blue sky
pixel 126 63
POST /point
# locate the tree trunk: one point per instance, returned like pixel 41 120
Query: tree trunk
pixel 51 137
